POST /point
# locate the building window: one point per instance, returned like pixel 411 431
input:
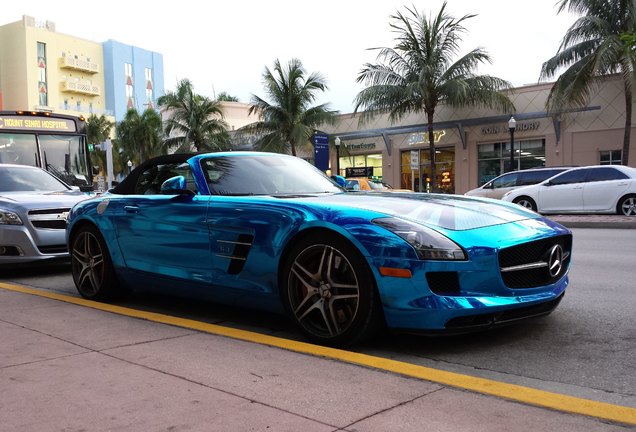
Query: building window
pixel 611 157
pixel 373 161
pixel 43 97
pixel 78 105
pixel 65 104
pixel 130 91
pixel 420 180
pixel 494 159
pixel 149 89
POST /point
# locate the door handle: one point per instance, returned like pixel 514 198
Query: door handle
pixel 131 209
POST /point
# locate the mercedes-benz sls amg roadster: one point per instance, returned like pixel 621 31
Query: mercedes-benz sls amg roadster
pixel 272 232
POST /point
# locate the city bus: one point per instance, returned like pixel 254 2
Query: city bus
pixel 55 142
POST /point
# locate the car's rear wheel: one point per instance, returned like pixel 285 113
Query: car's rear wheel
pixel 92 267
pixel 330 292
pixel 627 206
pixel 526 202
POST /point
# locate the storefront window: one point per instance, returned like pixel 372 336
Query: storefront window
pixel 494 159
pixel 420 179
pixel 361 161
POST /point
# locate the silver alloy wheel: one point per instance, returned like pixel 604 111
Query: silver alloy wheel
pixel 324 293
pixel 628 207
pixel 525 203
pixel 87 262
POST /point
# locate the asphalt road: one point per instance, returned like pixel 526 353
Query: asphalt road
pixel 586 348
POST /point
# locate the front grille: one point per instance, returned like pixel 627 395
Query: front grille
pixel 49 218
pixel 534 263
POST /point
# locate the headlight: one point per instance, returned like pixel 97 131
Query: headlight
pixel 429 244
pixel 9 218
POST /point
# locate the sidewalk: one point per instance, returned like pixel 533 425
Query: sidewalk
pixel 595 221
pixel 66 367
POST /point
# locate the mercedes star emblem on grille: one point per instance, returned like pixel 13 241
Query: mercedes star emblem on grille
pixel 555 260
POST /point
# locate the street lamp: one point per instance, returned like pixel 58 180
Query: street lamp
pixel 512 125
pixel 337 142
pixel 129 166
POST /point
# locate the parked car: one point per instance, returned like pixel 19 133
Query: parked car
pixel 33 209
pixel 364 183
pixel 270 231
pixel 497 187
pixel 369 184
pixel 591 189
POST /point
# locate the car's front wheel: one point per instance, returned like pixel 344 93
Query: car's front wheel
pixel 92 267
pixel 627 206
pixel 330 292
pixel 526 202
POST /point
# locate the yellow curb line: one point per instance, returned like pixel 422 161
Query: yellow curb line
pixel 530 396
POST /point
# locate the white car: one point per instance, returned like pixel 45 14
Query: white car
pixel 591 189
pixel 33 209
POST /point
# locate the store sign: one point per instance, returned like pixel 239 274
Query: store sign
pixel 36 124
pixel 415 159
pixel 359 172
pixel 422 137
pixel 446 177
pixel 321 151
pixel 360 146
pixel 521 127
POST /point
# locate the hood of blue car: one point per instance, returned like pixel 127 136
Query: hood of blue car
pixel 452 212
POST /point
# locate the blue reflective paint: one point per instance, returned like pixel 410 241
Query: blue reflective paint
pixel 232 248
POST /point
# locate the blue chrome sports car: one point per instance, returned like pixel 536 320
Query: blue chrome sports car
pixel 270 231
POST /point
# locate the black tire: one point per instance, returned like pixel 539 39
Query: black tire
pixel 526 202
pixel 329 291
pixel 627 206
pixel 92 267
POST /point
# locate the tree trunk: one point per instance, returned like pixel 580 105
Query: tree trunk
pixel 431 152
pixel 628 124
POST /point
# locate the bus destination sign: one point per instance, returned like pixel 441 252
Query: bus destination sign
pixel 36 123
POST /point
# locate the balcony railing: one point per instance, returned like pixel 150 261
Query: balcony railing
pixel 82 87
pixel 78 64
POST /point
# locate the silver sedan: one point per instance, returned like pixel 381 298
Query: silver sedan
pixel 33 209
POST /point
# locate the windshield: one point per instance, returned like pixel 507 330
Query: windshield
pixel 268 174
pixel 28 179
pixel 63 155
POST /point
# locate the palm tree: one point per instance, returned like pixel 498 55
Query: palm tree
pixel 195 120
pixel 417 74
pixel 288 121
pixel 226 97
pixel 600 42
pixel 139 136
pixel 98 130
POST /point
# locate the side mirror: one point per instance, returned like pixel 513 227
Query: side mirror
pixel 487 185
pixel 340 180
pixel 95 170
pixel 175 186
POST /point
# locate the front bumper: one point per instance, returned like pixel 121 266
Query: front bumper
pixel 18 245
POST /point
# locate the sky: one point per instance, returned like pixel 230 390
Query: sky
pixel 225 46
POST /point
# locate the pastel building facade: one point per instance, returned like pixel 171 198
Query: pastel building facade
pixel 43 70
pixel 133 78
